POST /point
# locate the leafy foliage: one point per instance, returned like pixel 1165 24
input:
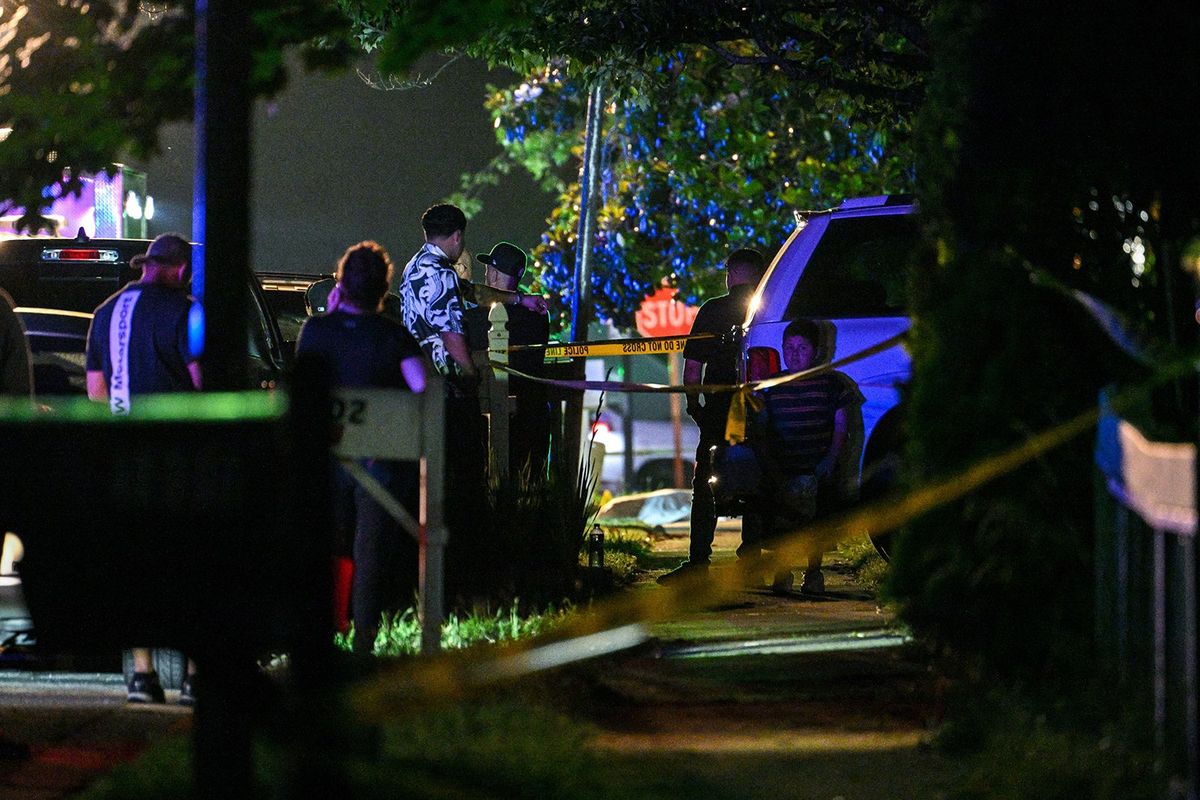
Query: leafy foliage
pixel 400 634
pixel 874 51
pixel 713 158
pixel 1026 162
pixel 83 84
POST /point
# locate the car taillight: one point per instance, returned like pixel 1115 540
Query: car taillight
pixel 761 363
pixel 80 254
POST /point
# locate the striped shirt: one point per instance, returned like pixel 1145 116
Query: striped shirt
pixel 798 419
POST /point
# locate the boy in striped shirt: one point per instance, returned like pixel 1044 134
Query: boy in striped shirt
pixel 802 432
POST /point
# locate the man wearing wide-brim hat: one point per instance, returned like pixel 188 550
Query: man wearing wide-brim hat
pixel 504 266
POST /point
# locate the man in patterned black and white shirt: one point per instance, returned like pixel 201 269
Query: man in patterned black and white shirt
pixel 434 297
pixel 430 294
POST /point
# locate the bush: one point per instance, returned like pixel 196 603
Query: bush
pixel 522 539
pixel 1025 167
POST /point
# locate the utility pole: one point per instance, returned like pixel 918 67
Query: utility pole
pixel 581 297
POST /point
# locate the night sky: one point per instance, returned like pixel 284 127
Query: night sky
pixel 336 162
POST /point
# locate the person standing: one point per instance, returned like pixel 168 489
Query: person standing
pixel 363 347
pixel 430 296
pixel 530 432
pixel 713 361
pixel 800 438
pixel 433 296
pixel 16 376
pixel 138 344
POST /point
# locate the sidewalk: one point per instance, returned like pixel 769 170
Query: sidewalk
pixel 779 696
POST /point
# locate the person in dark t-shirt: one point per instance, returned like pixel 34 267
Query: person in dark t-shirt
pixel 713 361
pixel 137 345
pixel 362 347
pixel 799 436
pixel 138 341
pixel 529 435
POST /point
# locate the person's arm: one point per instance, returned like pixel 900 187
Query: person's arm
pixel 413 370
pixel 484 295
pixel 829 462
pixel 97 386
pixel 693 375
pixel 456 346
pixel 194 371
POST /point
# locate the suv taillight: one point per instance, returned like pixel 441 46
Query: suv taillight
pixel 79 254
pixel 761 363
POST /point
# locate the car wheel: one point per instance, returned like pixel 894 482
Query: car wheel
pixel 171 666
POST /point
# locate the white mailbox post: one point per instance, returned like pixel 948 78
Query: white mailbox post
pixel 399 425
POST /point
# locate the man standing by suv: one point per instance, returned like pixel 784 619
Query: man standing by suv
pixel 138 344
pixel 713 361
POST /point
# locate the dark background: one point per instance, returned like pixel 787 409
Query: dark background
pixel 336 162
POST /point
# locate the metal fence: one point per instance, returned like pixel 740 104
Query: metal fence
pixel 1145 560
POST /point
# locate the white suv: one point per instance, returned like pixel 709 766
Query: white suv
pixel 845 267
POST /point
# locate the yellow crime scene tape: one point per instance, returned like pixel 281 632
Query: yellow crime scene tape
pixel 622 622
pixel 707 388
pixel 743 399
pixel 648 346
pixel 619 347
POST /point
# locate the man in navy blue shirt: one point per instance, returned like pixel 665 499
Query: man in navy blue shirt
pixel 138 344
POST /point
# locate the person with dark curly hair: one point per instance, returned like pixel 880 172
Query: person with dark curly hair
pixel 362 347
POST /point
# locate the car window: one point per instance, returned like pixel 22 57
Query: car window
pixel 857 269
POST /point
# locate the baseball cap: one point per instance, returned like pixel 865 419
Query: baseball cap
pixel 506 258
pixel 169 249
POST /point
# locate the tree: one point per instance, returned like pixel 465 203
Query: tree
pixel 1037 158
pixel 724 116
pixel 875 50
pixel 707 159
pixel 84 83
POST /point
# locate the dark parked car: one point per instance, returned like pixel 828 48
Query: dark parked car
pixel 79 274
pixel 57 344
pixel 285 293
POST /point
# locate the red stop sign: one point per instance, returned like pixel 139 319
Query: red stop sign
pixel 662 315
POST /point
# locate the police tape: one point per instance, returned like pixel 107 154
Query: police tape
pixel 624 621
pixel 705 388
pixel 654 345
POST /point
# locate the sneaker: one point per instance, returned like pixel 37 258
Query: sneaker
pixel 187 691
pixel 145 688
pixel 687 569
pixel 783 581
pixel 814 582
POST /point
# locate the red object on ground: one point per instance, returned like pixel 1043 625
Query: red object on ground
pixel 343 581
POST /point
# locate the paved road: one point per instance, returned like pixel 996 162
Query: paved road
pixel 60 731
